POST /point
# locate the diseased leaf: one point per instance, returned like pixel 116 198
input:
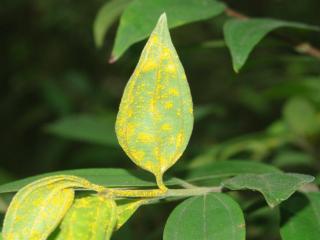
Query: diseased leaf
pixel 107 14
pixel 90 217
pixel 85 127
pixel 212 216
pixel 243 35
pixel 126 208
pixel 300 217
pixel 155 118
pixel 37 208
pixel 136 23
pixel 275 187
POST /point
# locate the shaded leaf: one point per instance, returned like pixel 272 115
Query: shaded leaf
pixel 212 216
pixel 85 127
pixel 37 208
pixel 275 187
pixel 243 35
pixel 90 217
pixel 300 217
pixel 136 23
pixel 155 117
pixel 107 14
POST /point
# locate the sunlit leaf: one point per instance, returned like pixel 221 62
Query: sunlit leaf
pixel 212 216
pixel 275 187
pixel 107 14
pixel 300 217
pixel 140 16
pixel 155 118
pixel 243 35
pixel 37 208
pixel 90 217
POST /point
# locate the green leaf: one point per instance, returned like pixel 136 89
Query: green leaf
pixel 275 187
pixel 84 127
pixel 37 209
pixel 301 116
pixel 300 217
pixel 225 169
pixel 90 217
pixel 107 15
pixel 243 35
pixel 212 216
pixel 140 16
pixel 155 118
pixel 126 208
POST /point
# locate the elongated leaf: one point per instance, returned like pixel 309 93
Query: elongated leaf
pixel 126 208
pixel 107 14
pixel 300 217
pixel 84 127
pixel 155 118
pixel 212 216
pixel 275 187
pixel 243 35
pixel 90 217
pixel 37 208
pixel 140 16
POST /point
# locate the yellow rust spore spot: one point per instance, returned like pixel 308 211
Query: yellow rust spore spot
pixel 173 92
pixel 168 105
pixel 138 154
pixel 171 68
pixel 166 127
pixel 145 138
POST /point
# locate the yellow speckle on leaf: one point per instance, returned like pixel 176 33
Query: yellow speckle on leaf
pixel 138 154
pixel 179 139
pixel 165 53
pixel 149 65
pixel 168 105
pixel 171 68
pixel 145 137
pixel 166 127
pixel 173 92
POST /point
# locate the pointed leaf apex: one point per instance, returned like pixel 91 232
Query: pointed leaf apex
pixel 162 19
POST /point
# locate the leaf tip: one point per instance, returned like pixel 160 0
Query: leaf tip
pixel 112 59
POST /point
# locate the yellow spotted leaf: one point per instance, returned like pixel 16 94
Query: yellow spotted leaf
pixel 91 217
pixel 126 208
pixel 37 209
pixel 155 117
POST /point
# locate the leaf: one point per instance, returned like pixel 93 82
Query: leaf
pixel 212 216
pixel 225 169
pixel 300 217
pixel 109 177
pixel 37 208
pixel 126 208
pixel 90 217
pixel 107 14
pixel 301 116
pixel 275 187
pixel 140 16
pixel 242 36
pixel 85 127
pixel 155 117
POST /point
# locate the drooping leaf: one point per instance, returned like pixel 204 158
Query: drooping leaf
pixel 300 217
pixel 275 187
pixel 90 217
pixel 243 35
pixel 301 116
pixel 37 208
pixel 136 23
pixel 126 208
pixel 84 127
pixel 107 14
pixel 155 118
pixel 212 216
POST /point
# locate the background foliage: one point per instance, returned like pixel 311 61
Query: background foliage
pixel 59 97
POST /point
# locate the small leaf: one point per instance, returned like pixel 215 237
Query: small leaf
pixel 126 208
pixel 84 127
pixel 300 217
pixel 301 116
pixel 136 23
pixel 90 217
pixel 212 216
pixel 155 118
pixel 37 208
pixel 275 187
pixel 243 35
pixel 107 14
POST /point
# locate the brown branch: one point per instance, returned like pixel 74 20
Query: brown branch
pixel 301 47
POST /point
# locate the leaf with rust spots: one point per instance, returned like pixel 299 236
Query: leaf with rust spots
pixel 155 117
